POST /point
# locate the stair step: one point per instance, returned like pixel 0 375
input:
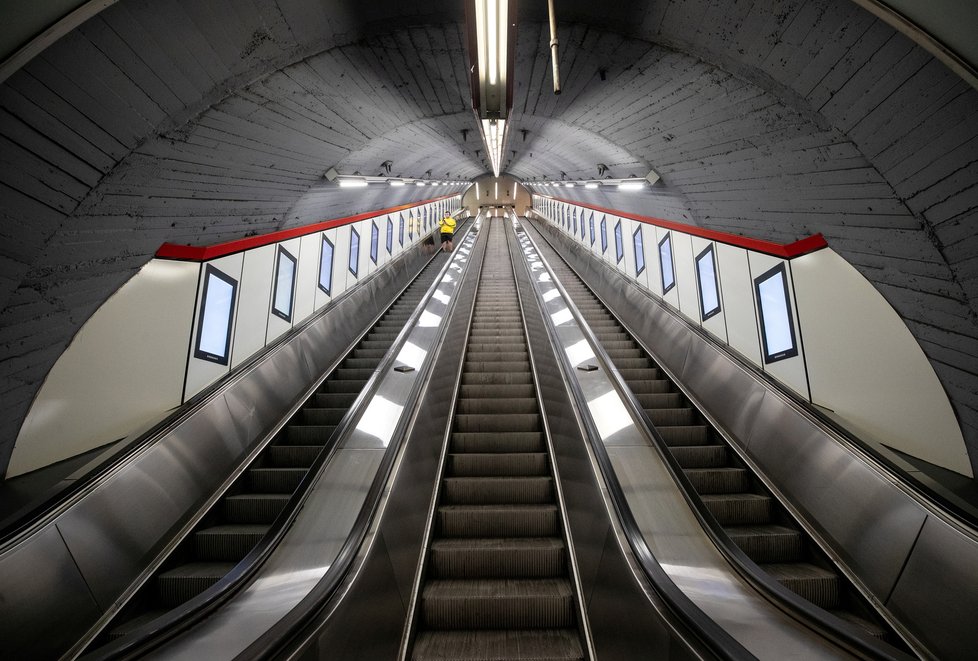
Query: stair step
pixel 254 507
pixel 522 557
pixel 227 543
pixel 293 456
pixel 496 405
pixel 185 582
pixel 321 417
pixel 497 490
pixel 517 422
pixel 684 435
pixel 671 417
pixel 501 390
pixel 495 645
pixel 484 442
pixel 498 520
pixel 275 480
pixel 471 464
pixel 718 480
pixel 496 378
pixel 739 508
pixel 700 456
pixel 308 434
pixel 768 543
pixel 817 585
pixel 498 603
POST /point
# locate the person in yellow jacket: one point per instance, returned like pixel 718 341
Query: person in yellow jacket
pixel 447 228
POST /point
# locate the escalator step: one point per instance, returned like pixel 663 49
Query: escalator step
pixel 515 422
pixel 718 480
pixel 523 557
pixel 187 581
pixel 632 363
pixel 817 585
pixel 643 375
pixel 671 417
pixel 308 434
pixel 227 543
pixel 496 378
pixel 361 363
pixel 333 400
pixel 497 463
pixel 343 374
pixel 497 405
pixel 275 480
pixel 293 456
pixel 684 435
pixel 254 507
pixel 739 508
pixel 489 645
pixel 700 456
pixel 483 347
pixel 361 352
pixel 493 366
pixel 770 543
pixel 343 385
pixel 643 386
pixel 497 441
pixel 497 490
pixel 871 628
pixel 489 356
pixel 498 520
pixel 658 400
pixel 511 390
pixel 498 603
pixel 320 417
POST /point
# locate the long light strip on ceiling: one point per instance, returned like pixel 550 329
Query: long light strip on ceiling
pixel 492 36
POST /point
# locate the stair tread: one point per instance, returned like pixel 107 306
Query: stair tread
pixel 499 645
pixel 489 588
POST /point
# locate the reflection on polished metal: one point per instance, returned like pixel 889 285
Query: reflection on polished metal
pixel 102 542
pixel 888 542
pixel 670 529
pixel 338 494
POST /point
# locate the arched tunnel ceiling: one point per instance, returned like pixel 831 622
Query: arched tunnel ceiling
pixel 206 120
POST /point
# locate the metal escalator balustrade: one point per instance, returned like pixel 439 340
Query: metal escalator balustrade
pixel 246 512
pixel 737 500
pixel 497 582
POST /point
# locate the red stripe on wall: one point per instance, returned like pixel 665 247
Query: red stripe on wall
pixel 205 253
pixel 786 251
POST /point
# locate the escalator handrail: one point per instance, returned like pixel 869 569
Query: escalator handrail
pixel 158 631
pixel 827 624
pixel 708 632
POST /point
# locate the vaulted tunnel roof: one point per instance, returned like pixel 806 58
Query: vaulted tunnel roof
pixel 204 121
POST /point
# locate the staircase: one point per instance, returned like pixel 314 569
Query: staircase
pixel 497 584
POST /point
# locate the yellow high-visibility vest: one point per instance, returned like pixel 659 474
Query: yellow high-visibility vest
pixel 447 225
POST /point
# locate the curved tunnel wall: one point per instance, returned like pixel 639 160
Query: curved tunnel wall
pixel 180 121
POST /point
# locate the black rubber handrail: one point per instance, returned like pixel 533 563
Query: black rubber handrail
pixel 833 627
pixel 162 629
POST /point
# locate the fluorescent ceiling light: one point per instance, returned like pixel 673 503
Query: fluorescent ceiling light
pixel 353 183
pixel 493 130
pixel 631 185
pixel 420 183
pixel 569 184
pixel 396 182
pixel 590 184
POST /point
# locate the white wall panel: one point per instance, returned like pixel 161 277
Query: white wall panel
pixel 627 263
pixel 865 365
pixel 277 326
pixel 369 264
pixel 653 274
pixel 738 301
pixel 253 302
pixel 341 260
pixel 305 286
pixel 790 371
pixel 201 373
pixel 685 277
pixel 715 325
pixel 123 370
pixel 638 254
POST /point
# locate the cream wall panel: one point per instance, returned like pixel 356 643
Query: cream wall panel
pixel 322 298
pixel 122 371
pixel 672 296
pixel 305 286
pixel 738 302
pixel 715 325
pixel 790 371
pixel 369 265
pixel 654 275
pixel 608 254
pixel 277 326
pixel 865 365
pixel 201 373
pixel 253 301
pixel 685 277
pixel 341 260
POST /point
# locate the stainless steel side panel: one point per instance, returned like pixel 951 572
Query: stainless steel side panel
pixel 30 618
pixel 858 511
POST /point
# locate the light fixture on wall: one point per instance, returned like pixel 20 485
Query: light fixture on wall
pixel 490 54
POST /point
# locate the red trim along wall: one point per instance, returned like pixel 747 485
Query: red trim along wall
pixel 785 251
pixel 205 253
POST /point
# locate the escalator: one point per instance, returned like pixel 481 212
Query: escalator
pixel 729 492
pixel 249 508
pixel 497 580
